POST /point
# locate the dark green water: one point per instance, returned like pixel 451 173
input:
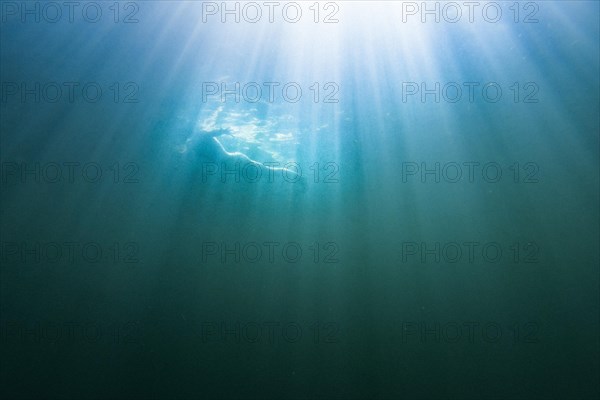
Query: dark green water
pixel 416 246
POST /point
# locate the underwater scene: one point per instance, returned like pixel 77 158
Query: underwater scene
pixel 299 200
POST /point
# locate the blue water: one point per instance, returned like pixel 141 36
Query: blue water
pixel 363 179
